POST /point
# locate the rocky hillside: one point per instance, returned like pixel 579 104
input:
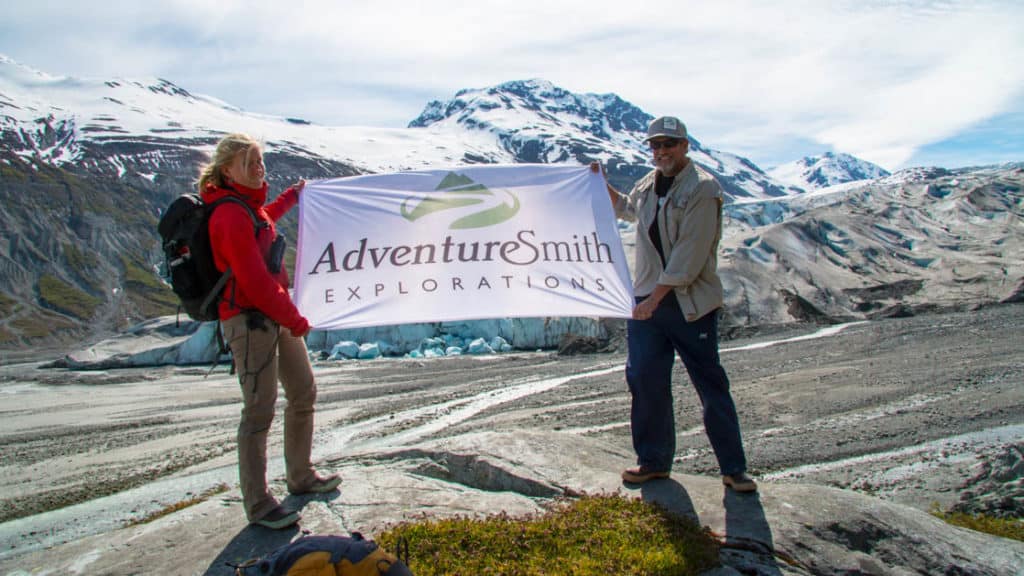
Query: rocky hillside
pixel 80 250
pixel 85 169
pixel 915 241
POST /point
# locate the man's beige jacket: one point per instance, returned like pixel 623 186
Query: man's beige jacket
pixel 690 225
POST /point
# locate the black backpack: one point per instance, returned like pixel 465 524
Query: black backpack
pixel 188 256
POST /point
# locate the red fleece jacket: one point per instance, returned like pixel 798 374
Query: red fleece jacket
pixel 235 246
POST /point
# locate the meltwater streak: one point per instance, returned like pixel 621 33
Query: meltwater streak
pixel 112 512
pixel 440 416
pixel 823 333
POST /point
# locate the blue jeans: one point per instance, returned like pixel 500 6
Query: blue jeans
pixel 653 344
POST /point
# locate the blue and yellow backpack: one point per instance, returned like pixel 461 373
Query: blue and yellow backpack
pixel 326 556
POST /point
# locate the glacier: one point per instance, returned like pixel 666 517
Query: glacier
pixel 168 340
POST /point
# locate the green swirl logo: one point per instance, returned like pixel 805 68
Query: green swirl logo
pixel 459 191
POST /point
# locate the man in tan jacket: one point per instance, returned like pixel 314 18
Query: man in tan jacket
pixel 678 211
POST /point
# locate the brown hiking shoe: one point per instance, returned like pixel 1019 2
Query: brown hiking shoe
pixel 740 482
pixel 321 485
pixel 278 518
pixel 641 474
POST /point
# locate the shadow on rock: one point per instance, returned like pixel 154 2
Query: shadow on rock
pixel 251 542
pixel 257 541
pixel 298 502
pixel 670 495
pixel 748 545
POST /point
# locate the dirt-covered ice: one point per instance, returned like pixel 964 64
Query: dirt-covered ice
pixel 926 411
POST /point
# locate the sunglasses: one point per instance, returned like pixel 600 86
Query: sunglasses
pixel 667 144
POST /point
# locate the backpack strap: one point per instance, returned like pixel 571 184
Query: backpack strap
pixel 257 225
pixel 215 291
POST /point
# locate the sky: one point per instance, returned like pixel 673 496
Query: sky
pixel 897 82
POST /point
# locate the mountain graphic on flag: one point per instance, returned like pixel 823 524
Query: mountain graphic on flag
pixel 459 191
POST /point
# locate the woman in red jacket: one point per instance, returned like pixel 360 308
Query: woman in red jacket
pixel 262 327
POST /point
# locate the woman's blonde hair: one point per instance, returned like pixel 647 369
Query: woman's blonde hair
pixel 228 147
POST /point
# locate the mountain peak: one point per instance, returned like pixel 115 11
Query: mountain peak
pixel 532 85
pixel 23 72
pixel 827 169
pixel 536 121
pixel 505 105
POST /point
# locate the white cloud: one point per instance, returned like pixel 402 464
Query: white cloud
pixel 879 79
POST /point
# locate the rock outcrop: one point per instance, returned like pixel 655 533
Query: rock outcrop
pixel 784 529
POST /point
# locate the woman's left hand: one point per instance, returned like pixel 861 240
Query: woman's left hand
pixel 298 186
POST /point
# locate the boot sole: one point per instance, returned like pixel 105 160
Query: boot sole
pixel 641 478
pixel 329 486
pixel 744 487
pixel 285 522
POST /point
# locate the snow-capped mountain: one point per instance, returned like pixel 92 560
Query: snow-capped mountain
pixel 525 111
pixel 127 128
pixel 829 169
pixel 86 166
pixel 122 127
pixel 536 121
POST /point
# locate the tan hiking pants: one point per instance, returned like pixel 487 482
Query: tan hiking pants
pixel 262 355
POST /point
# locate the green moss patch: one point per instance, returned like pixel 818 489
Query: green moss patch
pixel 58 295
pixel 596 535
pixel 82 262
pixel 141 278
pixel 172 508
pixel 7 305
pixel 39 324
pixel 151 296
pixel 1012 528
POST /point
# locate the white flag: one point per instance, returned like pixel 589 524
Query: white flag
pixel 484 241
